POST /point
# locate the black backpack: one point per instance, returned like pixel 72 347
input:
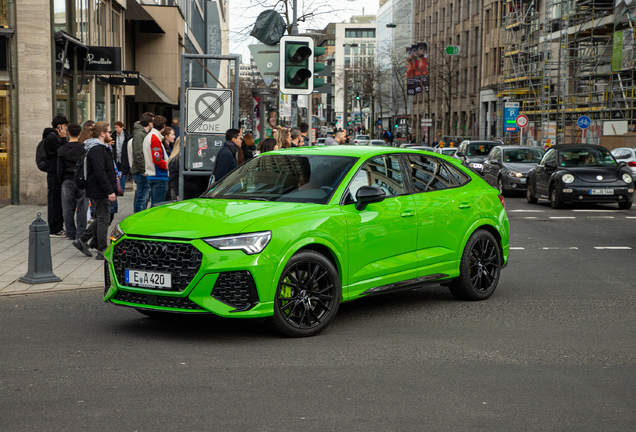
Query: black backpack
pixel 81 172
pixel 43 163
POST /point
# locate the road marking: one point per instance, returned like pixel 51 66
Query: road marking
pixel 517 248
pixel 630 217
pixel 529 211
pixel 556 248
pixel 612 247
pixel 562 217
pixel 597 210
pixel 529 217
pixel 600 217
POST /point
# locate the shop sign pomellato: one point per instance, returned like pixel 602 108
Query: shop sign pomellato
pixel 103 60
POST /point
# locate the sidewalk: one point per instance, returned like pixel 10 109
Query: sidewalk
pixel 74 268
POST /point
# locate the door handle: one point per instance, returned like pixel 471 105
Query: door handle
pixel 464 206
pixel 409 213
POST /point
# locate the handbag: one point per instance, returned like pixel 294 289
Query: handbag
pixel 120 191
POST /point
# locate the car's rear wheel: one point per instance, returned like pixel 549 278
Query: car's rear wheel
pixel 625 205
pixel 555 199
pixel 308 295
pixel 479 269
pixel 530 193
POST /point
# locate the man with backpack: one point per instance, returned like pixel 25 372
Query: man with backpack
pixel 46 159
pixel 101 187
pixel 72 197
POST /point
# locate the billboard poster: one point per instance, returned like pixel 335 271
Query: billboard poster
pixel 256 110
pixel 422 66
pixel 411 69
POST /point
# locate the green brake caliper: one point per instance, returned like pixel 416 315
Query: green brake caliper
pixel 286 291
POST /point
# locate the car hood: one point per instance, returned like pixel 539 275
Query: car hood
pixel 205 217
pixel 520 167
pixel 590 174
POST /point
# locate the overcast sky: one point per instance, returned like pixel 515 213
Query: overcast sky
pixel 243 14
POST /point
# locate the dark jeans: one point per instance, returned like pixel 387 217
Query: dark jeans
pixel 72 199
pixel 100 225
pixel 54 201
pixel 143 192
pixel 158 191
pixel 122 179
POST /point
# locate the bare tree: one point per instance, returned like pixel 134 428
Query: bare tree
pixel 443 72
pixel 393 83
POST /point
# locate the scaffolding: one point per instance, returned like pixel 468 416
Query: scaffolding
pixel 557 63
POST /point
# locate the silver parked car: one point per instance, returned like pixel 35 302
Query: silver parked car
pixel 361 140
pixel 627 155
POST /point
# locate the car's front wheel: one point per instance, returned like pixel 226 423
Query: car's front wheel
pixel 308 295
pixel 555 199
pixel 479 269
pixel 500 186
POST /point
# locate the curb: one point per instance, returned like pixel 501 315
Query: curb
pixel 50 290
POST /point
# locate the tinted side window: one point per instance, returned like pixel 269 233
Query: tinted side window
pixel 383 172
pixel 622 154
pixel 430 173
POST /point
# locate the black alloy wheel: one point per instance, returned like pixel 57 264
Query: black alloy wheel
pixel 555 199
pixel 530 193
pixel 307 296
pixel 480 268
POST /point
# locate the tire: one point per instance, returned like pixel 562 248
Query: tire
pixel 625 205
pixel 501 188
pixel 479 268
pixel 555 199
pixel 530 193
pixel 307 296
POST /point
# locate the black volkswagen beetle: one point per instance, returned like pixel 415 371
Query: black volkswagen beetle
pixel 473 153
pixel 506 167
pixel 585 173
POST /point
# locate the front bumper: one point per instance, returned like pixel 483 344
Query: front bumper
pixel 226 283
pixel 581 194
pixel 515 183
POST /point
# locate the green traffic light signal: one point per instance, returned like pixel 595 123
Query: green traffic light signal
pixel 396 126
pixel 357 95
pixel 297 65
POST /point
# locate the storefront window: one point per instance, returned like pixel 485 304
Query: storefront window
pixel 113 106
pixel 61 98
pixel 5 146
pixel 100 102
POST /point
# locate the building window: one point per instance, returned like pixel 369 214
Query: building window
pixel 466 81
pixel 487 23
pixel 451 14
pixel 443 18
pixel 371 49
pixel 59 8
pixel 347 50
pixel 116 29
pixel 99 33
pixel 347 61
pixel 475 82
pixel 476 40
pixel 459 10
pixel 436 21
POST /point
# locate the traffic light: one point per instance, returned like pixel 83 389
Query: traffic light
pixel 357 95
pixel 318 82
pixel 297 65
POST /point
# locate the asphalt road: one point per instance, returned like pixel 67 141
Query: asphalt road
pixel 552 349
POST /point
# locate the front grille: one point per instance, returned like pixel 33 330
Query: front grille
pixel 236 289
pixel 181 260
pixel 157 300
pixel 106 277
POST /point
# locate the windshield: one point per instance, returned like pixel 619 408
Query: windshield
pixel 285 178
pixel 480 149
pixel 589 156
pixel 530 155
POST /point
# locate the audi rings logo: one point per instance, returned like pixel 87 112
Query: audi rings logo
pixel 154 250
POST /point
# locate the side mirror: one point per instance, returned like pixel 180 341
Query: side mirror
pixel 367 195
pixel 494 162
pixel 550 165
pixel 459 154
pixel 622 164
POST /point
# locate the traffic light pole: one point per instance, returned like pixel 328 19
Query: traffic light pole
pixel 294 32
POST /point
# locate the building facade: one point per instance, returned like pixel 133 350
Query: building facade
pixel 103 60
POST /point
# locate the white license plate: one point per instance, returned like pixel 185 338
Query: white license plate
pixel 601 191
pixel 147 279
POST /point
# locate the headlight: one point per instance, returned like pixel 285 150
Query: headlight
pixel 476 165
pixel 568 178
pixel 116 234
pixel 252 243
pixel 627 178
pixel 514 174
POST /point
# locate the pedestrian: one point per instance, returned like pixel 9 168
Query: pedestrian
pixel 283 139
pixel 304 132
pixel 296 138
pixel 268 144
pixel 168 139
pixel 86 131
pixel 54 137
pixel 176 127
pixel 156 158
pixel 138 165
pixel 339 138
pixel 385 136
pixel 225 160
pixel 101 187
pixel 121 152
pixel 173 170
pixel 249 147
pixel 74 203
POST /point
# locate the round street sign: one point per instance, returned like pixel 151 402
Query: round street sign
pixel 522 121
pixel 453 50
pixel 584 122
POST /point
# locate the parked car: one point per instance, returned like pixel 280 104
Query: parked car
pixel 506 167
pixel 378 143
pixel 409 145
pixel 361 140
pixel 474 153
pixel 584 173
pixel 292 233
pixel 448 151
pixel 627 155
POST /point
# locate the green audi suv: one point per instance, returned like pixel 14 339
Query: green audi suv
pixel 291 234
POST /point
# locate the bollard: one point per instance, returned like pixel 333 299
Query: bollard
pixel 40 264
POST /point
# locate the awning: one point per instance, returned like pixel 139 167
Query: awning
pixel 149 92
pixel 147 23
pixel 68 41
